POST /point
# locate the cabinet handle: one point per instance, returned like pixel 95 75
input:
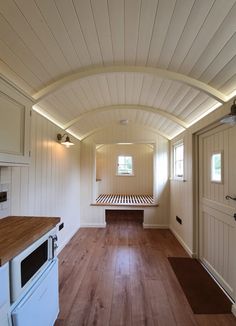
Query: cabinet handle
pixel 229 197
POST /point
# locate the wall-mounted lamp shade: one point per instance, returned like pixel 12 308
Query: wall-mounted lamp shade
pixel 67 142
pixel 230 118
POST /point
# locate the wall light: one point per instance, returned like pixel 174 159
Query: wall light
pixel 67 142
pixel 231 117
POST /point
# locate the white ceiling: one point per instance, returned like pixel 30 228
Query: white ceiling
pixel 161 64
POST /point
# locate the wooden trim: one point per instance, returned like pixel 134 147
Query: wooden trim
pixel 163 73
pixel 181 241
pixel 234 309
pixel 155 131
pixel 155 226
pixel 151 109
pixel 91 225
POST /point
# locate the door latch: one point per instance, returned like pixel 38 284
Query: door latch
pixel 229 197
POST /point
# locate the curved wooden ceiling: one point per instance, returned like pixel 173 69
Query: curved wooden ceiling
pixel 161 64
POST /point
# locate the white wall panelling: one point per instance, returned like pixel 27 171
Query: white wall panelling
pixel 50 185
pixel 106 166
pixel 187 209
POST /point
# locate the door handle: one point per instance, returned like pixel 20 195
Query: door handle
pixel 235 216
pixel 229 197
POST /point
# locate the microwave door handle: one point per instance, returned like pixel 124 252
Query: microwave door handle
pixel 54 245
pixel 51 251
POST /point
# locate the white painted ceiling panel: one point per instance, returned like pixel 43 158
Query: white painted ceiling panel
pixel 68 14
pixel 195 20
pixel 132 21
pixel 230 86
pixel 225 74
pixel 102 22
pixel 43 41
pixel 216 45
pixel 175 30
pixel 104 119
pixel 215 18
pixel 34 32
pixel 199 110
pixel 148 13
pixel 85 19
pixel 160 28
pixel 117 18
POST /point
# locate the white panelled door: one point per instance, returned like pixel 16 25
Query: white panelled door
pixel 217 225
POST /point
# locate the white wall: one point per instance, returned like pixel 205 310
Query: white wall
pixel 141 183
pixel 182 193
pixel 95 216
pixel 50 185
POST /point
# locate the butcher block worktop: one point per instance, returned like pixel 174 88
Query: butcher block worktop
pixel 19 232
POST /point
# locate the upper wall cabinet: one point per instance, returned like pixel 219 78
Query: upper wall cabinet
pixel 15 111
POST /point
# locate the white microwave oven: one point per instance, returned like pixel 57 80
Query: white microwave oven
pixel 26 267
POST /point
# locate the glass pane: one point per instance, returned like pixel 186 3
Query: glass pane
pixel 179 168
pixel 178 160
pixel 121 159
pixel 216 167
pixel 179 152
pixel 125 165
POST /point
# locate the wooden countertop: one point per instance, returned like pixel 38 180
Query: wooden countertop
pixel 19 232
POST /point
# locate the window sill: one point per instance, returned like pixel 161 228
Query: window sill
pixel 178 179
pixel 125 175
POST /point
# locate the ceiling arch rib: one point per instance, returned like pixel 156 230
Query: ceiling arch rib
pixel 166 74
pixel 165 114
pixel 153 130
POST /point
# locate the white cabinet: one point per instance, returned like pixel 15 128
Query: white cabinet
pixel 15 111
pixel 40 305
pixel 4 295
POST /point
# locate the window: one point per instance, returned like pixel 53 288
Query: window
pixel 179 160
pixel 216 167
pixel 125 165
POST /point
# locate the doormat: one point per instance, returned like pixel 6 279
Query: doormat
pixel 202 292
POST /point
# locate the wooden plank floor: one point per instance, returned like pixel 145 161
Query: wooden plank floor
pixel 120 275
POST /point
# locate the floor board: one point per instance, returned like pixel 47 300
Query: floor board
pixel 121 276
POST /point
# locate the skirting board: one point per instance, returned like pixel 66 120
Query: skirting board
pixel 155 226
pixel 66 241
pixel 91 225
pixel 234 309
pixel 181 241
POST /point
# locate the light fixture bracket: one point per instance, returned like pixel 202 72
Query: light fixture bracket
pixel 67 142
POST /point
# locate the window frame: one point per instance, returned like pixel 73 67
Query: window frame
pixel 117 164
pixel 175 145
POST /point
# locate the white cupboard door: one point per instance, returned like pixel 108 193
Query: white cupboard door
pixel 4 294
pixel 217 227
pixel 14 126
pixel 40 306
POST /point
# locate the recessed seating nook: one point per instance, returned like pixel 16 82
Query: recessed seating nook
pixel 124 175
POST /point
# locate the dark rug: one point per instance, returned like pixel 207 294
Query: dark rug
pixel 202 292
